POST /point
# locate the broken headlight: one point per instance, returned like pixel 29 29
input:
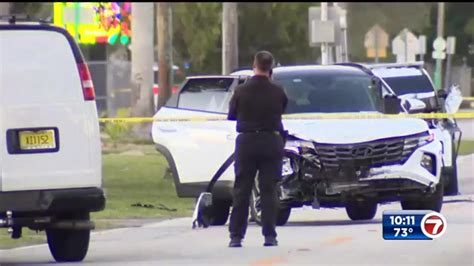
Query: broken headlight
pixel 287 168
pixel 419 140
pixel 299 145
pixel 425 139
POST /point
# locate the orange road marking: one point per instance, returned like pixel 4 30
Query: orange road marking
pixel 339 240
pixel 269 261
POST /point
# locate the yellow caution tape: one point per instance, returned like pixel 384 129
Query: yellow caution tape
pixel 466 115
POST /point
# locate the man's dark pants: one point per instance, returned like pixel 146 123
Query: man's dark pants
pixel 254 152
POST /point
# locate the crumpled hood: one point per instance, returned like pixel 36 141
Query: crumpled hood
pixel 345 131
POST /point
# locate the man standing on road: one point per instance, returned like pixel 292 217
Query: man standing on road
pixel 257 106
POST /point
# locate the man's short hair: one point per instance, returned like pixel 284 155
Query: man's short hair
pixel 264 61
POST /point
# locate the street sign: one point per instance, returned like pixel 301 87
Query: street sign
pixel 439 44
pixel 335 14
pixel 439 55
pixel 451 45
pixel 321 32
pixel 405 46
pixel 376 37
pixel 422 43
pixel 381 53
pixel 376 42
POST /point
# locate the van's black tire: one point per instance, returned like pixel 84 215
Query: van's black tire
pixel 361 209
pixel 219 213
pixel 69 245
pixel 450 176
pixel 432 201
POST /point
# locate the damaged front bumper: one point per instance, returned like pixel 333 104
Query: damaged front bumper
pixel 412 175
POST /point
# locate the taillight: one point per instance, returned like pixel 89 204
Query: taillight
pixel 156 89
pixel 86 80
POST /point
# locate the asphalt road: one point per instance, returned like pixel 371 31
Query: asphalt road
pixel 467 128
pixel 312 237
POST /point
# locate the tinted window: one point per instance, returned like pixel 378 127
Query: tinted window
pixel 323 92
pixel 409 84
pixel 173 100
pixel 206 94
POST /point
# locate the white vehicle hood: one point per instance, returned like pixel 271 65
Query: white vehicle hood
pixel 346 131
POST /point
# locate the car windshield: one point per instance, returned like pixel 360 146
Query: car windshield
pixel 328 93
pixel 409 84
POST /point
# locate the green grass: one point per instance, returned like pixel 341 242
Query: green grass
pixel 127 180
pixel 467 147
pixel 29 238
pixel 139 179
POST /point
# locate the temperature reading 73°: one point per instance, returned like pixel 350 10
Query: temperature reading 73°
pixel 403 232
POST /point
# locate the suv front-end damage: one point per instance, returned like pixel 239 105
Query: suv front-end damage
pixel 405 168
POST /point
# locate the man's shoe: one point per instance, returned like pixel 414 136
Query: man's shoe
pixel 270 242
pixel 235 243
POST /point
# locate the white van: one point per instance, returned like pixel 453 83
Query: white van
pixel 50 157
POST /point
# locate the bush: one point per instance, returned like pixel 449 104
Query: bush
pixel 118 131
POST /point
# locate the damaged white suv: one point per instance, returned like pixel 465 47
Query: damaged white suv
pixel 355 164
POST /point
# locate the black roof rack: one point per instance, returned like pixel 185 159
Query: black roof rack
pixel 13 18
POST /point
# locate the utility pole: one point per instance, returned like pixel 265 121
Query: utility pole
pixel 230 44
pixel 343 23
pixel 324 46
pixel 450 48
pixel 142 59
pixel 164 52
pixel 440 31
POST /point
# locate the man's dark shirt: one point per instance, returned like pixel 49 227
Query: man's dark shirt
pixel 258 105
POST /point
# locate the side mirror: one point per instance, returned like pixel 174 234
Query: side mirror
pixel 414 105
pixel 377 86
pixel 442 94
pixel 391 104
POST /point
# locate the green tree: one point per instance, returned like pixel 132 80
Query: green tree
pixel 197 36
pixel 281 28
